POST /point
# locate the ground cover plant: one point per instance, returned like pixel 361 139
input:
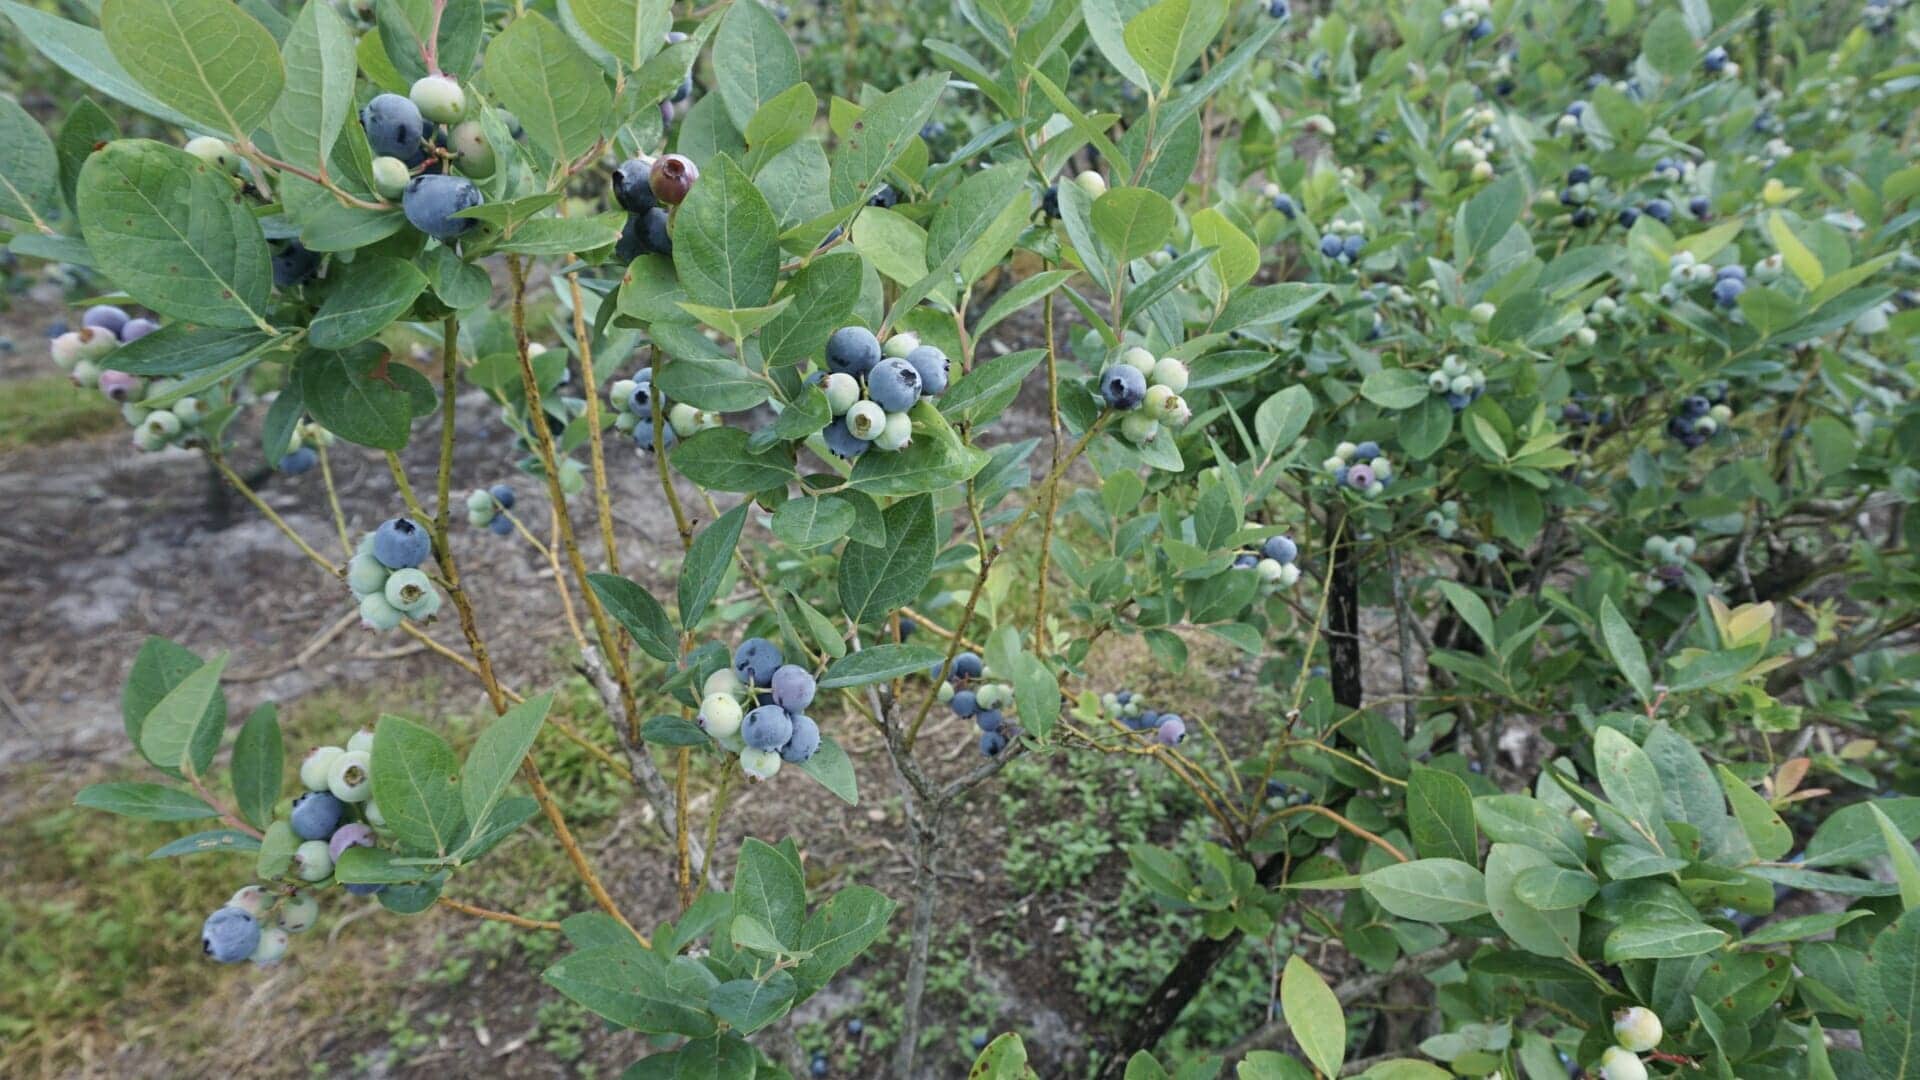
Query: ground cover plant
pixel 1522 393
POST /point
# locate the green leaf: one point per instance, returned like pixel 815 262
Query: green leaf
pixel 768 887
pixel 823 292
pixel 404 25
pixel 1889 989
pixel 29 168
pixel 1132 221
pixel 1668 44
pixel 1440 815
pixel 630 30
pixel 148 802
pixel 202 842
pixel 1486 217
pixel 634 608
pixel 206 58
pixel 1906 866
pixel 276 851
pixel 631 987
pixel 1629 779
pixel 751 1004
pixel 833 769
pixel 874 581
pixel 81 51
pixel 1168 37
pixel 985 392
pixel 1037 692
pixel 258 761
pixel 551 85
pixel 1624 646
pixel 1428 890
pixel 86 126
pixel 1551 888
pixel 753 61
pixel 1235 258
pixel 416 781
pixel 1281 418
pixel 558 236
pixel 1543 933
pixel 883 131
pixel 170 233
pixel 673 731
pixel 707 563
pixel 1313 1012
pixel 177 726
pixel 1771 838
pixel 1799 258
pixel 320 67
pixel 813 521
pixel 1394 388
pixel 358 396
pixel 1661 940
pixel 378 291
pixel 375 866
pixel 972 230
pixel 843 928
pixel 182 349
pixel 878 663
pixel 726 244
pixel 496 756
pixel 719 459
pixel 1029 290
pixel 781 122
pixel 720 385
pixel 1473 611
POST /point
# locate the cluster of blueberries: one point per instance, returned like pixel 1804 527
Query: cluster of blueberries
pixel 1360 466
pixel 633 401
pixel 1148 390
pixel 487 509
pixel 1576 193
pixel 386 578
pixel 645 188
pixel 1700 417
pixel 1671 555
pixel 335 813
pixel 1635 1031
pixel 1444 521
pixel 303 450
pixel 1458 381
pixel 1281 201
pixel 82 353
pixel 756 709
pixel 1729 281
pixel 412 161
pixel 1470 17
pixel 1087 180
pixel 1344 240
pixel 1577 413
pixel 1277 563
pixel 870 388
pixel 1123 707
pixel 985 703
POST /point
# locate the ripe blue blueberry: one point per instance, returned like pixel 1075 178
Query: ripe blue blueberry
pixel 991 743
pixel 352 834
pixel 767 728
pixel 1580 174
pixel 1172 730
pixel 502 494
pixel 1280 549
pixel 818 1067
pixel 431 201
pixel 1480 30
pixel 1715 61
pixel 395 128
pixel 1700 207
pixel 1660 210
pixel 229 935
pixel 1330 246
pixel 854 350
pixel 1695 406
pixel 855 1027
pixel 630 185
pixel 1628 215
pixel 884 197
pixel 843 442
pixel 1284 204
pixel 1277 9
pixel 1366 451
pixel 364 889
pixel 989 719
pixel 137 329
pixel 1352 246
pixel 964 703
pixel 803 742
pixel 400 543
pixel 755 661
pixel 1050 201
pixel 793 687
pixel 894 385
pixel 1726 291
pixel 1244 561
pixel 501 526
pixel 316 815
pixel 293 264
pixel 931 365
pixel 968 665
pixel 299 461
pixel 105 317
pixel 1123 386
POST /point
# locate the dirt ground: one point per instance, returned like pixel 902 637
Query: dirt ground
pixel 102 546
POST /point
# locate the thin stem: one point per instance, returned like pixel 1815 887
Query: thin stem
pixel 507 917
pixel 333 501
pixel 271 514
pixel 449 375
pixel 572 847
pixel 596 454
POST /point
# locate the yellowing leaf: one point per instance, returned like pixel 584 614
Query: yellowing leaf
pixel 1800 258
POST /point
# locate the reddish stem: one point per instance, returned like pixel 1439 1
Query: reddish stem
pixel 430 48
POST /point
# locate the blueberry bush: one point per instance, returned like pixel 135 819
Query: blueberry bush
pixel 1526 391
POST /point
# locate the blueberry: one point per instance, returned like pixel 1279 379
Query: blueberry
pixel 819 1065
pixel 298 914
pixel 988 720
pixel 1695 406
pixel 1660 210
pixel 991 743
pixel 672 177
pixel 1731 270
pixel 1123 386
pixel 316 815
pixel 855 1027
pixel 360 889
pixel 967 665
pixel 1480 29
pixel 980 1041
pixel 1280 549
pixel 229 935
pixel 767 728
pixel 1276 790
pixel 293 264
pixel 1366 451
pixel 1050 201
pixel 395 128
pixel 965 703
pixel 297 461
pixel 353 834
pixel 630 190
pixel 884 197
pixel 931 364
pixel 1352 246
pixel 755 662
pixel 843 442
pixel 1172 730
pixel 803 742
pixel 432 200
pixel 1700 207
pixel 684 90
pixel 1580 174
pixel 1330 246
pixel 1277 9
pixel 854 350
pixel 894 385
pixel 643 435
pixel 350 778
pixel 400 543
pixel 1284 204
pixel 1726 291
pixel 503 495
pixel 1582 217
pixel 1715 60
pixel 1628 215
pixel 1245 561
pixel 105 317
pixel 1146 721
pixel 793 687
pixel 56 328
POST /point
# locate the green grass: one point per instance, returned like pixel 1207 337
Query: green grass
pixel 48 409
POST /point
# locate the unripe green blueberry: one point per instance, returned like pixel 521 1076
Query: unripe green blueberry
pixel 66 347
pixel 312 861
pixel 945 693
pixel 843 392
pixel 390 177
pixel 253 900
pixel 1618 1063
pixel 683 417
pixel 1706 425
pixel 705 419
pixel 896 434
pixel 377 614
pixel 1482 171
pixel 1139 358
pixel 1177 412
pixel 96 343
pixel 723 681
pixel 1092 183
pixel 720 714
pixel 215 152
pixel 1139 428
pixel 1333 463
pixel 1269 570
pixel 146 441
pixel 1171 373
pixel 1586 337
pixel 759 764
pixel 374 817
pixel 479 500
pixel 1720 414
pixel 476 153
pixel 1683 547
pixel 620 393
pixel 1581 819
pixel 361 742
pixel 162 424
pixel 191 410
pixel 1345 451
pixel 273 946
pixel 1382 468
pixel 899 345
pixel 86 374
pixel 366 575
pixel 1461 384
pixel 865 420
pixel 1289 573
pixel 625 423
pixel 1156 403
pixel 439 98
pixel 1482 312
pixel 1637 1029
pixel 316 766
pixel 351 778
pixel 299 913
pixel 408 590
